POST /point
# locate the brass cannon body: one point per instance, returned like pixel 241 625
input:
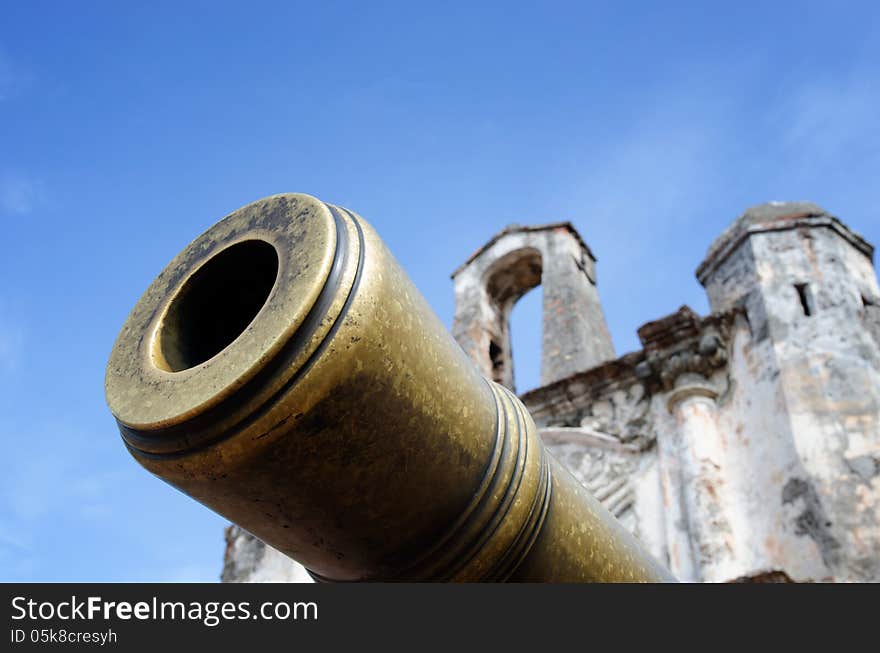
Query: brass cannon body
pixel 284 371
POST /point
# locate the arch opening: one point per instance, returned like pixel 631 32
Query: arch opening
pixel 525 335
pixel 507 281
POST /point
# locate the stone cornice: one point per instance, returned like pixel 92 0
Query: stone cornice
pixel 803 215
pixel 516 228
pixel 568 393
pixel 681 343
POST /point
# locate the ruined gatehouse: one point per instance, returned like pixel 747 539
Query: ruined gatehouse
pixel 740 445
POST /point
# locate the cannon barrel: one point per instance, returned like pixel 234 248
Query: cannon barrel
pixel 285 372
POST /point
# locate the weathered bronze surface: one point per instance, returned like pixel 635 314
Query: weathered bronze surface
pixel 284 371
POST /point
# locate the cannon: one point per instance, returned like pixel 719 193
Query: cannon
pixel 285 372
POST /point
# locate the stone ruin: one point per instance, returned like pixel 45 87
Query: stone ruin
pixel 739 446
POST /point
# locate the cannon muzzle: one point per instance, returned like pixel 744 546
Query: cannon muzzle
pixel 284 371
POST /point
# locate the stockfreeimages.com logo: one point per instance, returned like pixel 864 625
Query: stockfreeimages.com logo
pixel 209 613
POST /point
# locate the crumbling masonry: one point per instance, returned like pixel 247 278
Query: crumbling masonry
pixel 743 445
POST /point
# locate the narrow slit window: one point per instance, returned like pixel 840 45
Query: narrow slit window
pixel 806 297
pixel 495 355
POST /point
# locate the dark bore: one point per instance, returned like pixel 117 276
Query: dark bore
pixel 217 304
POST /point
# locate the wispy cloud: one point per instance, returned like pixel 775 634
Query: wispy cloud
pixel 643 193
pixel 11 540
pixel 17 558
pixel 30 491
pixel 830 118
pixel 20 195
pixel 654 172
pixel 829 142
pixel 650 180
pixel 7 78
pixel 14 77
pixel 12 343
pixel 59 478
pixel 47 486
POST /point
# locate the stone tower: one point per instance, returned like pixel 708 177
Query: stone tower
pixel 574 334
pixel 806 440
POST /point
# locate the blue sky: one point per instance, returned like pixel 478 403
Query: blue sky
pixel 126 129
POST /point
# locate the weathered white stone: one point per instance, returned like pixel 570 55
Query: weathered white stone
pixel 513 262
pixel 248 560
